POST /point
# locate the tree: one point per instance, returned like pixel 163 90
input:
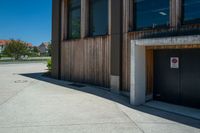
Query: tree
pixel 35 50
pixel 49 49
pixel 15 49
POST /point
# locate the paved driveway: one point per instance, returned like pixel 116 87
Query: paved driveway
pixel 30 103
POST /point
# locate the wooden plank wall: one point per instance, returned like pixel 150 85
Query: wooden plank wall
pixel 125 76
pixel 87 61
pixel 149 71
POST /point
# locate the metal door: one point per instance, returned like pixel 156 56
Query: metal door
pixel 179 84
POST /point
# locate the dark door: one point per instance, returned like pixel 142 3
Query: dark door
pixel 166 83
pixel 180 84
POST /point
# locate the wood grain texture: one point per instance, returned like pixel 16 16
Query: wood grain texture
pixel 87 61
pixel 149 71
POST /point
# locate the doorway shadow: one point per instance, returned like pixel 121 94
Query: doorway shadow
pixel 123 100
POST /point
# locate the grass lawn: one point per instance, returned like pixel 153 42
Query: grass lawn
pixel 31 59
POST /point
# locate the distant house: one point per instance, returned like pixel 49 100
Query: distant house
pixel 30 46
pixel 43 48
pixel 3 44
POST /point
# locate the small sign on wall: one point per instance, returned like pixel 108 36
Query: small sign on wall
pixel 174 62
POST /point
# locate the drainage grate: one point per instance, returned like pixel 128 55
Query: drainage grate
pixel 77 85
pixel 21 81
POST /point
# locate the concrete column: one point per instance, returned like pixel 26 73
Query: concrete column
pixel 138 74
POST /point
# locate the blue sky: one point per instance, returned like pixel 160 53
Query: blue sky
pixel 27 20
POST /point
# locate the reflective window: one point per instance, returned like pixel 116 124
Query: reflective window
pixel 151 13
pixel 98 16
pixel 191 11
pixel 74 17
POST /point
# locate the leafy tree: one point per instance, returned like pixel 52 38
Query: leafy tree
pixel 16 48
pixel 35 49
pixel 49 49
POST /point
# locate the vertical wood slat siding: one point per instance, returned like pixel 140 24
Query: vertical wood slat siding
pixel 149 71
pixel 125 76
pixel 86 61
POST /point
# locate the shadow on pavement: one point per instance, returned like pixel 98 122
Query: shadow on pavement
pixel 105 93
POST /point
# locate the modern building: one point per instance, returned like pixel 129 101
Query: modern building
pixel 149 49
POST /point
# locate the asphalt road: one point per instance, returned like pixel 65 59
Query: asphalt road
pixel 30 103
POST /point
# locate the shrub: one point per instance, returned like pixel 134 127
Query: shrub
pixel 49 64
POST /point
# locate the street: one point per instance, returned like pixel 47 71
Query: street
pixel 32 103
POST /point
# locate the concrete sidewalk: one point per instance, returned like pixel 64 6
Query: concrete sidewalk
pixel 30 103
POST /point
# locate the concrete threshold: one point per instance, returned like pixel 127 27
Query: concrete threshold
pixel 176 109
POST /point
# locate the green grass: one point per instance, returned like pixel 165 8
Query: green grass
pixel 36 59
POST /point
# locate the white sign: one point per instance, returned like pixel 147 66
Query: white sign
pixel 174 61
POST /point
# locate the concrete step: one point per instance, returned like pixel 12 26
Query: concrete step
pixel 177 109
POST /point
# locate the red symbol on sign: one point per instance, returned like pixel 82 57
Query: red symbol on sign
pixel 174 60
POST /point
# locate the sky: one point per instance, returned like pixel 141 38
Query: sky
pixel 27 20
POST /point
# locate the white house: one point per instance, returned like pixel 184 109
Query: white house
pixel 3 45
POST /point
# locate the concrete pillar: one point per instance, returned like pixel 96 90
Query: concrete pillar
pixel 138 74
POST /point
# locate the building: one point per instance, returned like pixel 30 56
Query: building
pixel 43 48
pixel 3 44
pixel 149 49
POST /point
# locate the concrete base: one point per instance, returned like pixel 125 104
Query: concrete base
pixel 115 83
pixel 138 74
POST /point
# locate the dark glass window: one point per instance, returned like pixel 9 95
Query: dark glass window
pixel 151 13
pixel 74 17
pixel 191 11
pixel 98 17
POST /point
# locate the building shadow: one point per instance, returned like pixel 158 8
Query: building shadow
pixel 121 99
